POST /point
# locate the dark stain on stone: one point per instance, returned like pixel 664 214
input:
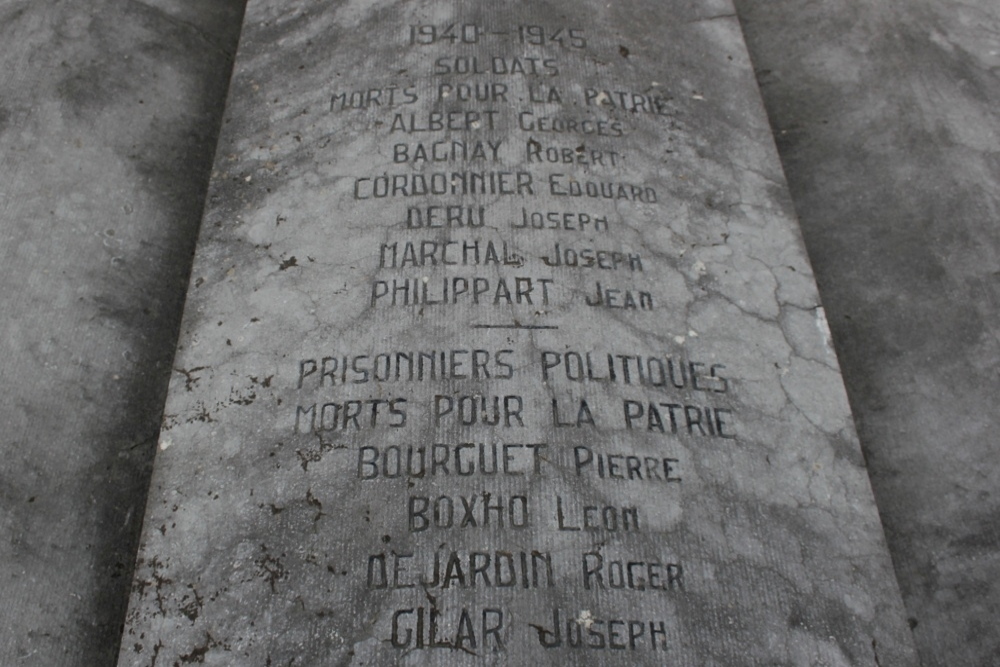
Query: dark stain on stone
pixel 197 654
pixel 192 604
pixel 237 397
pixel 190 379
pixel 156 652
pixel 202 415
pixel 982 534
pixel 271 569
pixel 314 501
pixel 87 90
pixel 266 382
pixel 308 456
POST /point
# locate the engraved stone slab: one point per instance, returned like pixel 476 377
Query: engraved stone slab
pixel 501 347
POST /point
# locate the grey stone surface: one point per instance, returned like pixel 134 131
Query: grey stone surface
pixel 108 116
pixel 278 531
pixel 886 118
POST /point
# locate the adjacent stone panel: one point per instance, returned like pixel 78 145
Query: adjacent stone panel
pixel 109 115
pixel 501 347
pixel 885 114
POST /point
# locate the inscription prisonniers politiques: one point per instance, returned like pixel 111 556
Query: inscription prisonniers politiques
pixel 501 347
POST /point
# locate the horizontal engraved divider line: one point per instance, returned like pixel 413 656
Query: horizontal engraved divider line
pixel 515 325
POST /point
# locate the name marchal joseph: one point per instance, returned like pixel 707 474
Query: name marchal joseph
pixel 501 347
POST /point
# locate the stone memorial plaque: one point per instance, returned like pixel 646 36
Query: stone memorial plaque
pixel 501 347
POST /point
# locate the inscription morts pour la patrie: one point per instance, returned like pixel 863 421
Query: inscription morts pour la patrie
pixel 501 347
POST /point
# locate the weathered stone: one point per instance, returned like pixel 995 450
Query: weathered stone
pixel 885 117
pixel 501 342
pixel 109 112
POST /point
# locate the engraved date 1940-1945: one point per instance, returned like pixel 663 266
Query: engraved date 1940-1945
pixel 470 33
